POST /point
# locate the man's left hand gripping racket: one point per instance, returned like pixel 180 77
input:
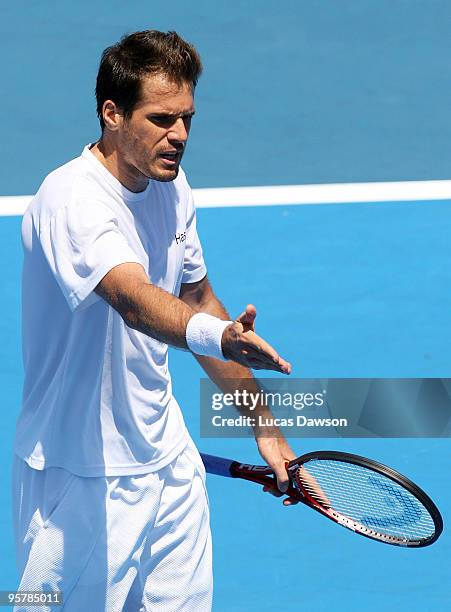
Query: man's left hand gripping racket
pixel 367 497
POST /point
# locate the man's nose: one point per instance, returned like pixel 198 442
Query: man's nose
pixel 179 131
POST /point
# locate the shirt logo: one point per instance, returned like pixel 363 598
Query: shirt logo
pixel 180 237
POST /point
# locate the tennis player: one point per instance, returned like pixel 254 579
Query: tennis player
pixel 110 505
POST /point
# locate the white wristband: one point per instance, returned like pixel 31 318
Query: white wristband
pixel 204 334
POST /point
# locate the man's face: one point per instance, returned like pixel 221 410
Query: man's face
pixel 152 141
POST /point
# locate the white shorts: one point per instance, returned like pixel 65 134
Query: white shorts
pixel 119 543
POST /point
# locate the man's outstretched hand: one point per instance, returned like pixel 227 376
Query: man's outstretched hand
pixel 241 344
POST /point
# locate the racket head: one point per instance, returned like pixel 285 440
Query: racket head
pixel 367 497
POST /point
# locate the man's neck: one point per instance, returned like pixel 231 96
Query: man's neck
pixel 108 157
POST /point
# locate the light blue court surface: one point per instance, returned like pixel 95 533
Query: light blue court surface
pixel 307 92
pixel 341 290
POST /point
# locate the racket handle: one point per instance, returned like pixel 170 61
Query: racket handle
pixel 217 465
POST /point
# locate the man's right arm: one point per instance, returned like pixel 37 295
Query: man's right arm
pixel 144 306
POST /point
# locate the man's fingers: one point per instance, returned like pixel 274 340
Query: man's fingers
pixel 277 454
pixel 282 476
pixel 250 313
pixel 251 340
pixel 274 492
pixel 262 362
pixel 247 317
pixel 259 364
pixel 244 346
pixel 257 348
pixel 290 501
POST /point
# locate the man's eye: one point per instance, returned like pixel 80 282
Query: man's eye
pixel 168 120
pixel 162 119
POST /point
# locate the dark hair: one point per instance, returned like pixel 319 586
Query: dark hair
pixel 149 52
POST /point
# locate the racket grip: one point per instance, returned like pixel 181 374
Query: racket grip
pixel 217 465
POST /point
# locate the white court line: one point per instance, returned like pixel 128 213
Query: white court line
pixel 282 195
pixel 13 205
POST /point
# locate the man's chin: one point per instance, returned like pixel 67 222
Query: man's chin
pixel 164 176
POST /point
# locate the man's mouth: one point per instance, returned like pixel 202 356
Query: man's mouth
pixel 171 157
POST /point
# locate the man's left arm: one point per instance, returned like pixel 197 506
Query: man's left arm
pixel 274 450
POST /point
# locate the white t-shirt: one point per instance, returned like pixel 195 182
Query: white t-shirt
pixel 97 395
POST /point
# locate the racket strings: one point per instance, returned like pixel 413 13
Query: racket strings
pixel 312 487
pixel 366 497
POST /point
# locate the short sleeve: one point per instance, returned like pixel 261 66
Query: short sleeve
pixel 82 242
pixel 194 268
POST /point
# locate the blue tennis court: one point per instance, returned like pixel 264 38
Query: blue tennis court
pixel 356 289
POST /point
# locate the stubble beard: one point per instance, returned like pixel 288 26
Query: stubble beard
pixel 163 177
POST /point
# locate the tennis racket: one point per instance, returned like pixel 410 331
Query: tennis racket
pixel 367 497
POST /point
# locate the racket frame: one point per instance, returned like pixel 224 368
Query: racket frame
pixel 264 475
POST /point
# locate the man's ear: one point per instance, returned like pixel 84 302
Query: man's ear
pixel 112 116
